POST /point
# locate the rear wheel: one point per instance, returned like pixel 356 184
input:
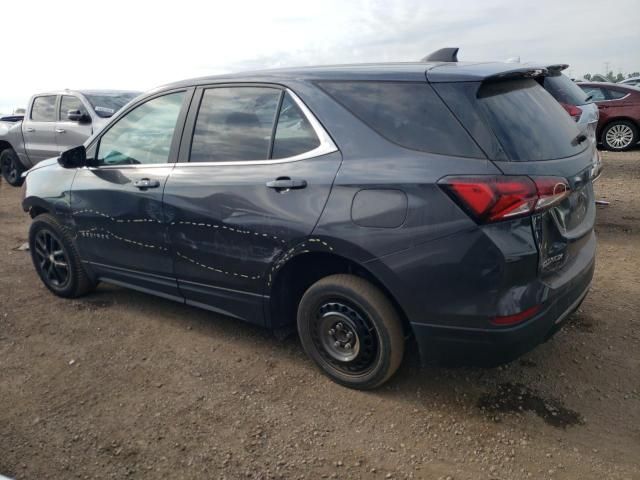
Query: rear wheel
pixel 351 330
pixel 11 167
pixel 56 259
pixel 620 135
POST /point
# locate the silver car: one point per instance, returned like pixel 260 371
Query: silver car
pixel 53 123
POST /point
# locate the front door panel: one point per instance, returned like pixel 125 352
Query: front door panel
pixel 121 228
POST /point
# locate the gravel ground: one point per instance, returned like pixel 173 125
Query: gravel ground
pixel 119 384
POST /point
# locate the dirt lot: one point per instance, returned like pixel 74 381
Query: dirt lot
pixel 121 384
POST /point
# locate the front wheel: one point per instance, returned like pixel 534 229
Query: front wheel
pixel 56 259
pixel 351 330
pixel 11 167
pixel 620 135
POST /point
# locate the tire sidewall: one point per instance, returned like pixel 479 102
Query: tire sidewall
pixel 312 300
pixel 634 141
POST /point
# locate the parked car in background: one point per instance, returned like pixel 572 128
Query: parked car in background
pixel 633 81
pixel 576 102
pixel 53 123
pixel 572 98
pixel 362 204
pixel 619 107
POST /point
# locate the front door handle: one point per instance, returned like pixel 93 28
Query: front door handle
pixel 60 130
pixel 30 129
pixel 145 183
pixel 285 183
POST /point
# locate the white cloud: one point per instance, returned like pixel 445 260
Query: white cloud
pixel 138 45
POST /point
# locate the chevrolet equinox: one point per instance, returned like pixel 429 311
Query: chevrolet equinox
pixel 450 203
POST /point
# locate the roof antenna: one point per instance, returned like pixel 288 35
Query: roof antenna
pixel 448 54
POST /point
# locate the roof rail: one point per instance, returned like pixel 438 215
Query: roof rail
pixel 447 54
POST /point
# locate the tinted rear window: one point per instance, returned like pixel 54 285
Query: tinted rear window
pixel 527 122
pixel 564 90
pixel 408 114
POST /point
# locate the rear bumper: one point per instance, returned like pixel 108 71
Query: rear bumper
pixel 444 343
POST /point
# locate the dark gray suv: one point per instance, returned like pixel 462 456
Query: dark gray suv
pixel 449 203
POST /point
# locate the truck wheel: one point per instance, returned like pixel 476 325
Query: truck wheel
pixel 56 259
pixel 351 330
pixel 11 167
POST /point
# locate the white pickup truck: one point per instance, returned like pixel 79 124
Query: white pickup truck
pixel 54 122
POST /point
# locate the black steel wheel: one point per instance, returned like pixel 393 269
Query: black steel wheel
pixel 11 167
pixel 351 330
pixel 56 258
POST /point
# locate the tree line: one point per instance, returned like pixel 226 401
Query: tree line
pixel 609 77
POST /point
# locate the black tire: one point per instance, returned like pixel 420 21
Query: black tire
pixel 11 167
pixel 46 237
pixel 370 325
pixel 620 135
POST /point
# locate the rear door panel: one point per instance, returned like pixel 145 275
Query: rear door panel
pixel 227 227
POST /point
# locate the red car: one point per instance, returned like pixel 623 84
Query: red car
pixel 619 106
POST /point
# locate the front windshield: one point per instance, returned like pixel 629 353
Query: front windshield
pixel 106 104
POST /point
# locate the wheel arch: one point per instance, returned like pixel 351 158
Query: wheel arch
pixel 294 274
pixel 4 145
pixel 36 206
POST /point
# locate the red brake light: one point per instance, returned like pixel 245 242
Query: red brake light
pixel 494 198
pixel 572 110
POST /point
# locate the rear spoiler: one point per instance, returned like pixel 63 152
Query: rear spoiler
pixel 451 70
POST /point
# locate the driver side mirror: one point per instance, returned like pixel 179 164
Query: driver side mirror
pixel 78 116
pixel 74 158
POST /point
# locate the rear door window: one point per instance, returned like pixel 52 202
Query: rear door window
pixel 615 94
pixel 44 109
pixel 235 124
pixel 406 113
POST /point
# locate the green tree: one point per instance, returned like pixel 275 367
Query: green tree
pixel 634 74
pixel 587 76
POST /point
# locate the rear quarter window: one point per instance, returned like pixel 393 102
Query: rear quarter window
pixel 406 113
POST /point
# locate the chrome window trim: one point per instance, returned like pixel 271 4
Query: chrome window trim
pixel 326 146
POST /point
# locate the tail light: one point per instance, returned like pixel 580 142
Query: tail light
pixel 494 198
pixel 572 110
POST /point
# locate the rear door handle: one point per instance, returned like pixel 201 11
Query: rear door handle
pixel 286 183
pixel 145 183
pixel 60 130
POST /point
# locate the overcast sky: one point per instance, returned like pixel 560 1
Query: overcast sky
pixel 138 45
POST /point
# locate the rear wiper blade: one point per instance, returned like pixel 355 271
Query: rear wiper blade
pixel 579 139
pixel 589 98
